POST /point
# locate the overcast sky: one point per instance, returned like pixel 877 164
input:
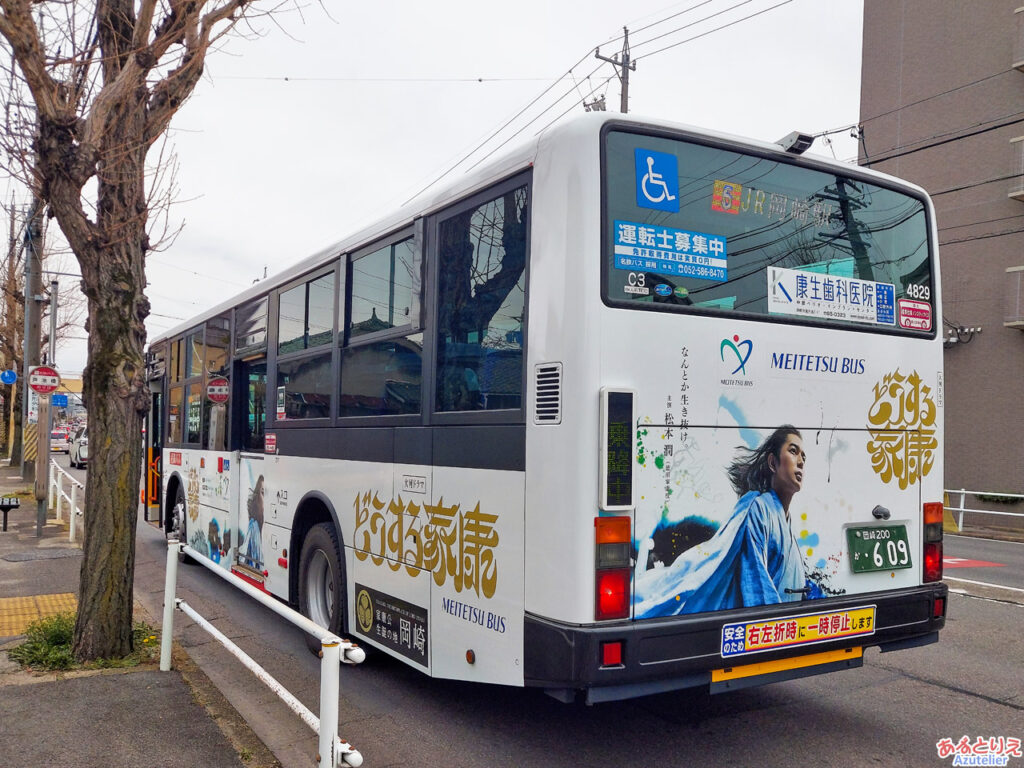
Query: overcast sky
pixel 295 140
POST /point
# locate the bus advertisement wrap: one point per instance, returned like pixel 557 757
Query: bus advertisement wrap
pixel 738 515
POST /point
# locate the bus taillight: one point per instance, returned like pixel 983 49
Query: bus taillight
pixel 612 574
pixel 932 541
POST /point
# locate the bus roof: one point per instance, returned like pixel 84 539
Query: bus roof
pixel 569 133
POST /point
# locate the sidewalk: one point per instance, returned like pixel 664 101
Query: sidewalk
pixel 98 719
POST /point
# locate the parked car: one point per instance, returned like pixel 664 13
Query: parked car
pixel 60 441
pixel 80 448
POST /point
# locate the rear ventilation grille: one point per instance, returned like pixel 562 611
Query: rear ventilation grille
pixel 549 394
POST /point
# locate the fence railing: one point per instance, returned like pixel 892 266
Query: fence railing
pixel 57 496
pixel 963 493
pixel 334 652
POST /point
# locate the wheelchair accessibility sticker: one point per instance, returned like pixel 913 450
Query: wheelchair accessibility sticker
pixel 657 180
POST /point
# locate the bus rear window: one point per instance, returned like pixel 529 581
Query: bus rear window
pixel 695 227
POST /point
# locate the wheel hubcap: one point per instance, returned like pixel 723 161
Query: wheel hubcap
pixel 178 518
pixel 320 588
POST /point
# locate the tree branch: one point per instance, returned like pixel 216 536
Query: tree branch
pixel 17 26
pixel 169 94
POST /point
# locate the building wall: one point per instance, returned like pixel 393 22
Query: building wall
pixel 940 101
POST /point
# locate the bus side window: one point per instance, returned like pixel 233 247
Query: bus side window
pixel 481 304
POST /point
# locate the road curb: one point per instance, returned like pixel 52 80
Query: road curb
pixel 972 588
pixel 253 752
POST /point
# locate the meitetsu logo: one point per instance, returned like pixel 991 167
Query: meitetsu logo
pixel 742 351
pixel 809 363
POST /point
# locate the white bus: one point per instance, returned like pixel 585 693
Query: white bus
pixel 636 408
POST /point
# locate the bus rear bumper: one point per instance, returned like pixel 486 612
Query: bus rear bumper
pixel 666 654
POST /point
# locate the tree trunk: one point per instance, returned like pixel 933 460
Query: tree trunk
pixel 116 397
pixel 99 124
pixel 114 388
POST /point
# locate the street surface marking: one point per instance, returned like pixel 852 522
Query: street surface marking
pixel 963 562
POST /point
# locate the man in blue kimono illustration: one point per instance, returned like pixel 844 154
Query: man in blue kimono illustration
pixel 754 558
pixel 251 550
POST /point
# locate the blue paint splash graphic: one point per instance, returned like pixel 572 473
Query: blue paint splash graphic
pixel 748 436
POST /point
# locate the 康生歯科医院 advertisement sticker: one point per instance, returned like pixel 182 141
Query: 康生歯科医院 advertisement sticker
pixel 812 294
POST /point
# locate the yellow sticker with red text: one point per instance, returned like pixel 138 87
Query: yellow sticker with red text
pixel 769 634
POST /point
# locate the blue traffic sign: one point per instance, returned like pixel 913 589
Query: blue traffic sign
pixel 59 400
pixel 8 377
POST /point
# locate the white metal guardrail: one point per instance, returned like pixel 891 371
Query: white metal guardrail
pixel 57 496
pixel 334 652
pixel 963 496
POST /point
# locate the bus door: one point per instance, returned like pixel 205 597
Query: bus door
pixel 247 437
pixel 154 444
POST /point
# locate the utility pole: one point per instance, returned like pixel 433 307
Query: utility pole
pixel 52 356
pixel 33 290
pixel 622 66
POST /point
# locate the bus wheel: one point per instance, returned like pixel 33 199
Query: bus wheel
pixel 321 587
pixel 178 515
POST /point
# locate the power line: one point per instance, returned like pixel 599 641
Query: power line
pixel 504 126
pixel 974 184
pixel 686 26
pixel 569 72
pixel 667 18
pixel 984 221
pixel 537 117
pixel 919 101
pixel 982 237
pixel 944 141
pixel 290 79
pixel 716 29
pixel 197 274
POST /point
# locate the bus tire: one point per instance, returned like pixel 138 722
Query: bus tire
pixel 179 515
pixel 321 585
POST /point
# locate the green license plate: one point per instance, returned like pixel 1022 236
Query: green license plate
pixel 878 548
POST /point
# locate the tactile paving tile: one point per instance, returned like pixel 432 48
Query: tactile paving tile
pixel 16 613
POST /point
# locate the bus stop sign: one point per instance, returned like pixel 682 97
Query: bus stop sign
pixel 218 389
pixel 43 379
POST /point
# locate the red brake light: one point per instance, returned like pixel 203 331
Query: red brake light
pixel 612 599
pixel 933 561
pixel 611 654
pixel 612 574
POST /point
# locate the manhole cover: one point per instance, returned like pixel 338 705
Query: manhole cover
pixel 42 554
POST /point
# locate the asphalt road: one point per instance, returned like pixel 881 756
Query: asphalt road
pixel 893 711
pixel 983 560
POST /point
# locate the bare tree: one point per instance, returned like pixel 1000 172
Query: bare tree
pixel 105 78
